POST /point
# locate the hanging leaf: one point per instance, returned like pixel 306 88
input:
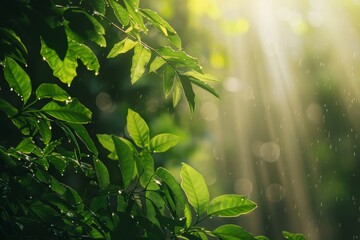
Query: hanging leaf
pixel 232 232
pixel 140 59
pixel 156 64
pixel 163 26
pixel 86 55
pixel 134 15
pixel 121 14
pixel 102 173
pixel 293 236
pixel 82 27
pixel 162 142
pixel 44 127
pixel 230 205
pixel 12 45
pixel 49 90
pixel 177 91
pixel 73 112
pixel 261 238
pixel 200 83
pixel 121 47
pixel 168 79
pixel 126 160
pixel 195 188
pixel 179 59
pixel 84 136
pixel 107 142
pixel 138 129
pixel 189 92
pixel 17 79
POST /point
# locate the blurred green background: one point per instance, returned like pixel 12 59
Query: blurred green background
pixel 285 132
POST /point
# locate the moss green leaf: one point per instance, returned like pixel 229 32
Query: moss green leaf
pixel 17 78
pixel 122 47
pixel 230 205
pixel 232 232
pixel 177 92
pixel 73 112
pixel 168 79
pixel 138 129
pixel 162 142
pixel 140 59
pixel 102 173
pixel 49 90
pixel 188 91
pixel 196 190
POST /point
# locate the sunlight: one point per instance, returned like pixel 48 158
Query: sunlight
pixel 293 66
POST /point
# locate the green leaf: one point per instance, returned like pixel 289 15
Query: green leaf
pixel 86 55
pixel 121 14
pixel 99 6
pixel 17 79
pixel 261 238
pixel 82 27
pixel 145 167
pixel 84 136
pixel 200 76
pixel 232 232
pixel 138 129
pixel 26 146
pixel 73 112
pixel 44 127
pixel 156 64
pixel 293 236
pixel 230 205
pixel 163 26
pixel 168 79
pixel 58 162
pixel 43 211
pixel 7 108
pixel 195 188
pixel 176 196
pixel 121 47
pixel 177 93
pixel 134 15
pixel 12 45
pixel 188 215
pixel 49 90
pixel 102 173
pixel 140 59
pixel 162 142
pixel 107 142
pixel 179 59
pixel 200 83
pixel 126 160
pixel 189 92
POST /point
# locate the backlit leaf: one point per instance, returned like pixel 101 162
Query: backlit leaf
pixel 230 205
pixel 121 14
pixel 134 15
pixel 17 78
pixel 138 129
pixel 177 92
pixel 140 59
pixel 99 6
pixel 73 112
pixel 102 173
pixel 163 26
pixel 122 47
pixel 195 188
pixel 200 82
pixel 84 136
pixel 189 92
pixel 107 142
pixel 156 64
pixel 162 142
pixel 168 79
pixel 26 146
pixel 232 232
pixel 145 167
pixel 49 90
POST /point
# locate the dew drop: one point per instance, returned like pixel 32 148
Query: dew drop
pixel 44 58
pixel 11 89
pixel 96 73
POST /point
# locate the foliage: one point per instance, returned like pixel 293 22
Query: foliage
pixel 41 192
